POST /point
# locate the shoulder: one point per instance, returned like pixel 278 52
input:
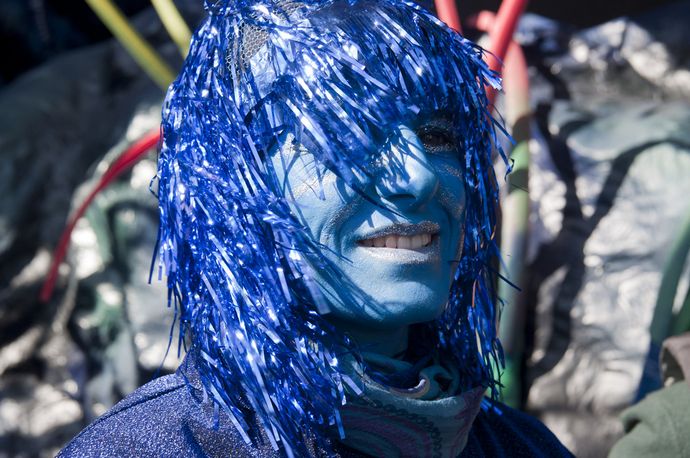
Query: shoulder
pixel 500 431
pixel 658 425
pixel 162 418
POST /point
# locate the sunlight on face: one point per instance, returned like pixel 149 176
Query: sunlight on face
pixel 398 243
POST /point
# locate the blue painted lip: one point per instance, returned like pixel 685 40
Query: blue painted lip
pixel 405 229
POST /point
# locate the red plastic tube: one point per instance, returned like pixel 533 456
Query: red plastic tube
pixel 503 29
pixel 515 77
pixel 447 11
pixel 128 158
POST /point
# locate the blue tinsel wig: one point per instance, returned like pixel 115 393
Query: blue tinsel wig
pixel 337 75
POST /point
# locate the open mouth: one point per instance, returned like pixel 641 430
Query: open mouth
pixel 399 241
pixel 403 236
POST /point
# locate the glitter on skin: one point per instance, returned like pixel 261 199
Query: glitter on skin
pixel 411 287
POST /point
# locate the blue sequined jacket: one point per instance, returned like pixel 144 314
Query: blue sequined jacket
pixel 165 418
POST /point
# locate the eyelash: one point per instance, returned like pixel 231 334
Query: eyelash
pixel 430 135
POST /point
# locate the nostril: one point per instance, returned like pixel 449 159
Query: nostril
pixel 414 193
pixel 402 202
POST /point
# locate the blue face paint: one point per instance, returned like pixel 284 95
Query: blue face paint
pixel 398 239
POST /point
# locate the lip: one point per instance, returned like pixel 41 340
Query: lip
pixel 426 254
pixel 405 229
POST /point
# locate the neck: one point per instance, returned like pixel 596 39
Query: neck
pixel 385 341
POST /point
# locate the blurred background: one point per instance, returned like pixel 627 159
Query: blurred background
pixel 596 217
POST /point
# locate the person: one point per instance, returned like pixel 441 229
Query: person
pixel 328 209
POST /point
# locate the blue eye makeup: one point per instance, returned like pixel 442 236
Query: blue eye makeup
pixel 438 136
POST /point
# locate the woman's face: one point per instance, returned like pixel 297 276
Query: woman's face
pixel 396 245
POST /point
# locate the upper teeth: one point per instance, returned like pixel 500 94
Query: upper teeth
pixel 398 241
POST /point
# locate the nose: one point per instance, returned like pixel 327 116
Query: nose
pixel 405 177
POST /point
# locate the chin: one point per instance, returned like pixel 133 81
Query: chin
pixel 407 306
pixel 388 303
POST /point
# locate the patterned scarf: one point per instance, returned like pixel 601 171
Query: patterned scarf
pixel 427 420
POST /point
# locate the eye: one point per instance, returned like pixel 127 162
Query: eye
pixel 437 139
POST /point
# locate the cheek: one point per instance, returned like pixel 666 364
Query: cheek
pixel 452 196
pixel 452 190
pixel 304 184
pixel 321 202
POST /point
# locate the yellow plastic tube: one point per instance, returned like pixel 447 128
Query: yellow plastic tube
pixel 137 47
